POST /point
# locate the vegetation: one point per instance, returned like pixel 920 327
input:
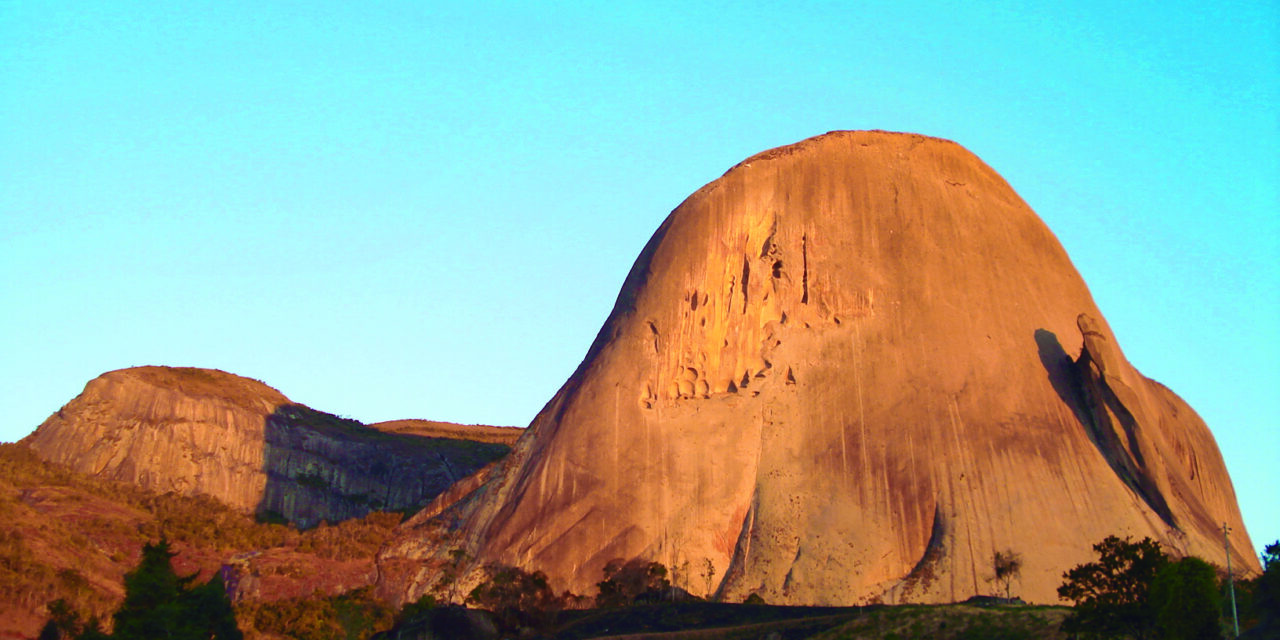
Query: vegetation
pixel 1184 601
pixel 157 604
pixel 98 529
pixel 1258 598
pixel 1111 595
pixel 1134 590
pixel 1008 566
pixel 160 604
pixel 708 576
pixel 355 615
pixel 517 597
pixel 626 583
pixel 1267 593
pixel 952 622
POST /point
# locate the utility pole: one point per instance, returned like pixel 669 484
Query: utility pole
pixel 1231 579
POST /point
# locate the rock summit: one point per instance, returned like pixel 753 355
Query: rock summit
pixel 850 370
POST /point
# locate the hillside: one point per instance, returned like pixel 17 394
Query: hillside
pixel 67 535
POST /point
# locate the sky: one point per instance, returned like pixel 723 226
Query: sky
pixel 412 209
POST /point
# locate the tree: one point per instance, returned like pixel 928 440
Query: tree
pixel 152 593
pixel 1261 596
pixel 1111 595
pixel 1184 601
pixel 1269 583
pixel 708 575
pixel 208 611
pixel 625 582
pixel 1008 565
pixel 64 622
pixel 160 604
pixel 516 597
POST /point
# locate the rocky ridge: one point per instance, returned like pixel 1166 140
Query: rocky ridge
pixel 436 429
pixel 201 431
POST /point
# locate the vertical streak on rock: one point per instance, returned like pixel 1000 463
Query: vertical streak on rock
pixel 617 479
pixel 804 262
pixel 862 409
pixel 953 413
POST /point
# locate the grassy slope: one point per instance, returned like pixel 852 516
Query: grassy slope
pixel 66 535
pixel 708 620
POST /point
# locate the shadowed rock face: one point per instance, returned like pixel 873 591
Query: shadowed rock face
pixel 201 431
pixel 851 368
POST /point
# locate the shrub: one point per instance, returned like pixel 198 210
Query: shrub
pixel 625 582
pixel 1184 599
pixel 1111 595
pixel 517 597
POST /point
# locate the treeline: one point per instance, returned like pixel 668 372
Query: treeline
pixel 1135 590
pixel 158 603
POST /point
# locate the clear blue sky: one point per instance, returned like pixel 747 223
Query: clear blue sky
pixel 410 210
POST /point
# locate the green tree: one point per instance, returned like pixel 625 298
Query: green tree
pixel 517 597
pixel 64 622
pixel 152 591
pixel 1111 595
pixel 158 603
pixel 1184 601
pixel 208 611
pixel 625 582
pixel 1269 583
pixel 1261 595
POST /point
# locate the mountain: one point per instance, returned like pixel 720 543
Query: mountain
pixel 850 370
pixel 202 431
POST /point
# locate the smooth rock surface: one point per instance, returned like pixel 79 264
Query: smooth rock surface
pixel 849 370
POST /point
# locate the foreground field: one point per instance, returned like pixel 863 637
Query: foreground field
pixel 706 621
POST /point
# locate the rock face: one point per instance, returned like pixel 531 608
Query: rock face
pixel 851 369
pixel 201 431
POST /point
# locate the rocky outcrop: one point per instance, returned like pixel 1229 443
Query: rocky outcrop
pixel 201 431
pixel 320 467
pixel 851 369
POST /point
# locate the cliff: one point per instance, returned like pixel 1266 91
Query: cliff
pixel 199 431
pixel 849 370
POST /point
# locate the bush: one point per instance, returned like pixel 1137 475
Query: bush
pixel 352 616
pixel 626 582
pixel 518 598
pixel 1184 600
pixel 1111 595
